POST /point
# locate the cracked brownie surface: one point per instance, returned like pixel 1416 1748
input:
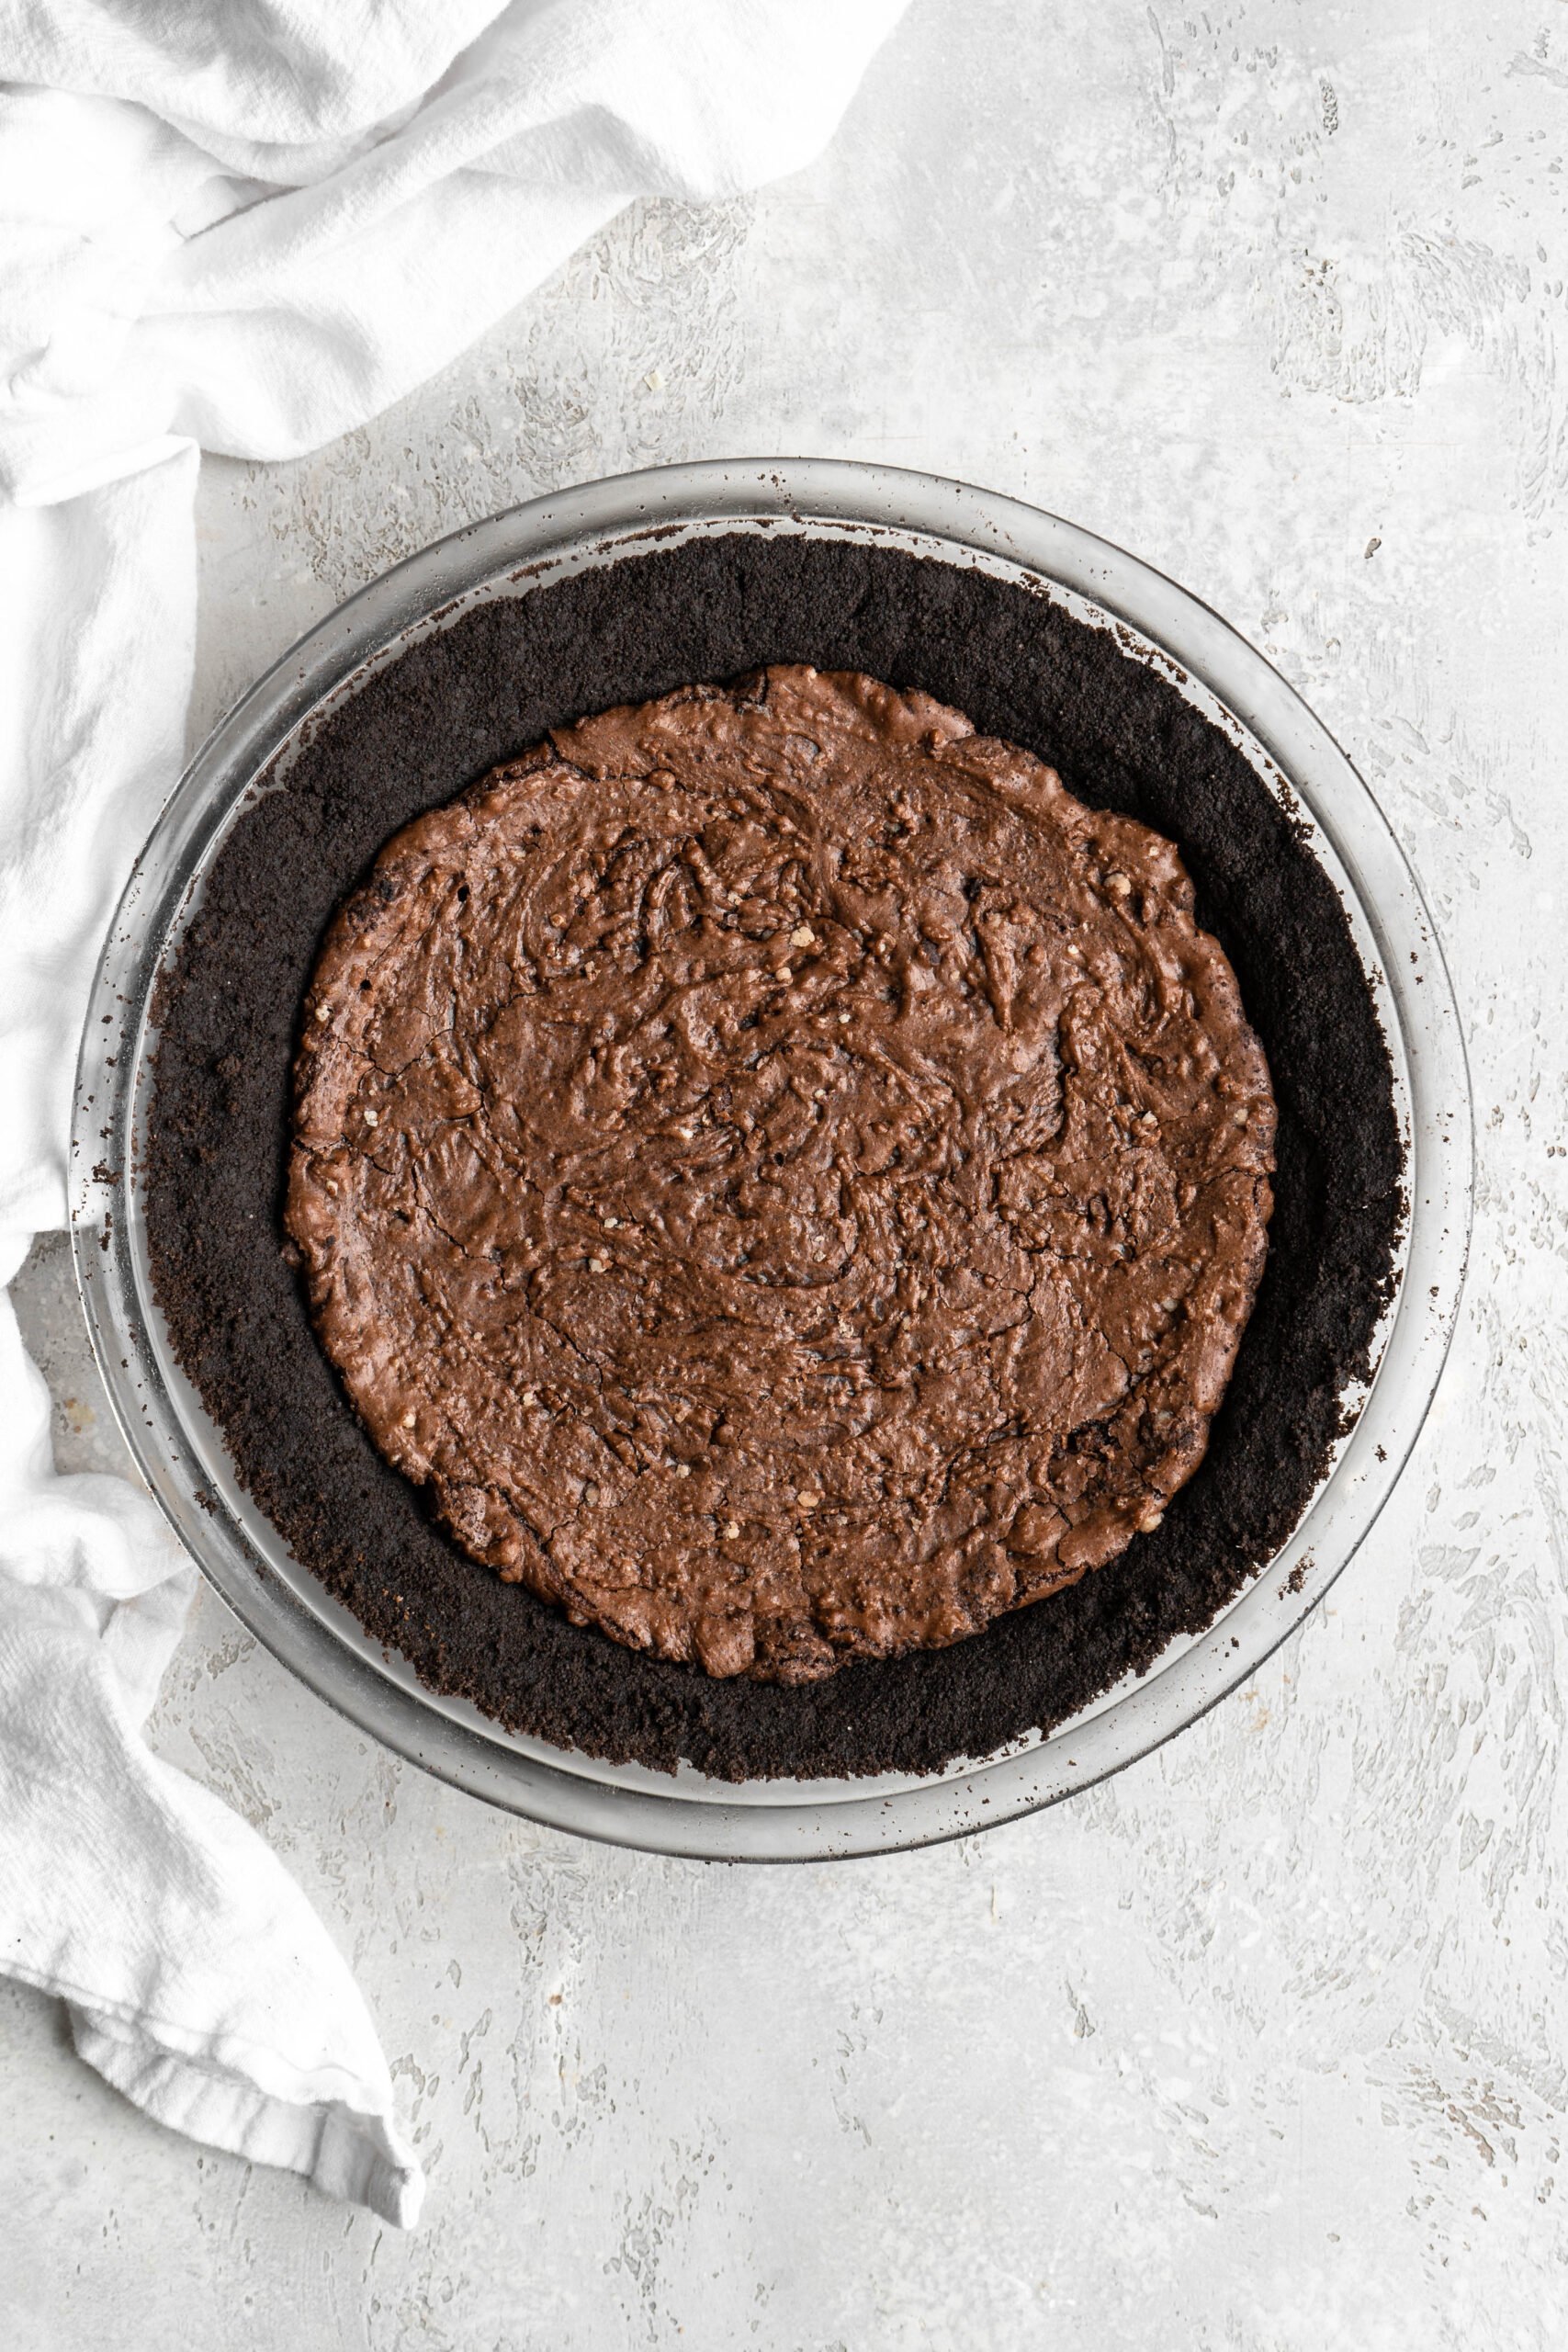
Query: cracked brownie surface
pixel 788 1177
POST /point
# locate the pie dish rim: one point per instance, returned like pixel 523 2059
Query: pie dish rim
pixel 177 1448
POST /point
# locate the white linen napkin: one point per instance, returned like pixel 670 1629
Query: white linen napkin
pixel 246 231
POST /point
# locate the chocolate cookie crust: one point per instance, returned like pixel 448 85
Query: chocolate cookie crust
pixel 443 715
pixel 788 1177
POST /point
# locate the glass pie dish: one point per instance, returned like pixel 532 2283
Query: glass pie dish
pixel 180 1450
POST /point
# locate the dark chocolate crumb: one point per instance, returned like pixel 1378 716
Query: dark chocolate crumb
pixel 421 728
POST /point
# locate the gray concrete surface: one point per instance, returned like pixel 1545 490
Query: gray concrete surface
pixel 1263 2045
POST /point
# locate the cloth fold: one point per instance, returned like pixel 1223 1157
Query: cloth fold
pixel 243 231
pixel 199 1980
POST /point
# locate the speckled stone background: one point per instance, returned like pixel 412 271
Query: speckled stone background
pixel 1264 2045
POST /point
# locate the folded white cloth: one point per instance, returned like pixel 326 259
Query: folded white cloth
pixel 247 230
